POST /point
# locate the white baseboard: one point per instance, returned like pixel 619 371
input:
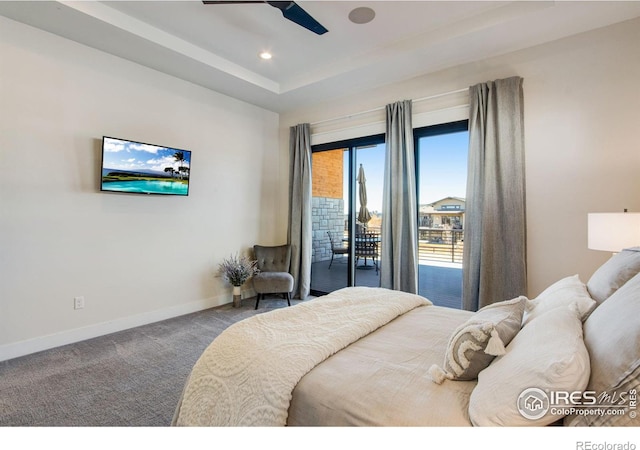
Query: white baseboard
pixel 22 348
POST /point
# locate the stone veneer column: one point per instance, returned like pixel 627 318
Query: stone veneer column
pixel 327 214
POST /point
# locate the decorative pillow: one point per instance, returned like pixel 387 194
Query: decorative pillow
pixel 614 273
pixel 548 354
pixel 612 337
pixel 474 344
pixel 562 293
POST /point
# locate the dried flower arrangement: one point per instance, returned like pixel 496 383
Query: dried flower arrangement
pixel 238 269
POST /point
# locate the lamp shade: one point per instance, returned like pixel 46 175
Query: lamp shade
pixel 613 232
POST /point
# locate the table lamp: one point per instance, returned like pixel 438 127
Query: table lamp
pixel 613 232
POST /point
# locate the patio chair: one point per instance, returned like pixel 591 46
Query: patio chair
pixel 367 247
pixel 336 247
pixel 274 276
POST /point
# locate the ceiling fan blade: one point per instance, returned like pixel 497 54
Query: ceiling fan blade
pixel 290 10
pixel 225 2
pixel 293 12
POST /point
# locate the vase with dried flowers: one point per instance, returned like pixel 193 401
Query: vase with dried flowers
pixel 236 270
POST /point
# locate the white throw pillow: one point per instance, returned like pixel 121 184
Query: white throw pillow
pixel 614 273
pixel 562 293
pixel 612 337
pixel 548 354
pixel 475 343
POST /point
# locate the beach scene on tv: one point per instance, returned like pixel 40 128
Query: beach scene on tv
pixel 139 168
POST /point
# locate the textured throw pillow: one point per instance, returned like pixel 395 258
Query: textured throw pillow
pixel 562 293
pixel 612 337
pixel 548 354
pixel 614 273
pixel 474 344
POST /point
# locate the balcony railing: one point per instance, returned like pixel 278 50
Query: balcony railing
pixel 440 244
pixel 437 244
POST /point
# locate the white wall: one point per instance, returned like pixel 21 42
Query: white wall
pixel 135 259
pixel 582 112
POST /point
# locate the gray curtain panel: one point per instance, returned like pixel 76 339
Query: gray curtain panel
pixel 399 261
pixel 495 235
pixel 299 233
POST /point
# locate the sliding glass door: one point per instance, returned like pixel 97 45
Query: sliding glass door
pixel 330 221
pixel 441 155
pixel 367 233
pixel 347 213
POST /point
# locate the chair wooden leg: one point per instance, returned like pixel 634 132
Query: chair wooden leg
pixel 257 300
pixel 331 260
pixel 288 299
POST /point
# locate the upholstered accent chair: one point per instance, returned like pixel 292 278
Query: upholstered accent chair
pixel 274 276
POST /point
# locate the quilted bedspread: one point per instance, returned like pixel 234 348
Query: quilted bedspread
pixel 247 375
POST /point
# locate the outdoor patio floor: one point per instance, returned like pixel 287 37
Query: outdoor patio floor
pixel 440 283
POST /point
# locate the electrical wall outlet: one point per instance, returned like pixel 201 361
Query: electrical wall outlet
pixel 78 302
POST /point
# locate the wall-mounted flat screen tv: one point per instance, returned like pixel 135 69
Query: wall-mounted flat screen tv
pixel 139 168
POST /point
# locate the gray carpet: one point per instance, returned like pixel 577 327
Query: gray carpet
pixel 129 378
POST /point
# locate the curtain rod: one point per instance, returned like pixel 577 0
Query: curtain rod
pixel 348 116
pixel 382 122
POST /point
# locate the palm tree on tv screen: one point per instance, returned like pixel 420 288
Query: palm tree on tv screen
pixel 179 157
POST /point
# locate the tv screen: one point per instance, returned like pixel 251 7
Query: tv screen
pixel 138 168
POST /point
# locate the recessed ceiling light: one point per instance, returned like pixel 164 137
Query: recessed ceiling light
pixel 266 55
pixel 362 15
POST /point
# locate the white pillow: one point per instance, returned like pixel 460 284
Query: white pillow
pixel 612 337
pixel 614 273
pixel 562 293
pixel 547 354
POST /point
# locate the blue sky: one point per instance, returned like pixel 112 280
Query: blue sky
pixel 443 166
pixel 443 169
pixel 126 155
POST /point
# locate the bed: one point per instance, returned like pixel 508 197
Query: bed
pixel 376 357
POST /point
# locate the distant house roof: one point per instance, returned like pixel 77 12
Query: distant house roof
pixel 460 199
pixel 447 205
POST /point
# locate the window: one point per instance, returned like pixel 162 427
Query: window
pixel 346 246
pixel 338 258
pixel 441 166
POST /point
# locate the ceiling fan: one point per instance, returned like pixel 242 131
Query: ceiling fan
pixel 290 10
